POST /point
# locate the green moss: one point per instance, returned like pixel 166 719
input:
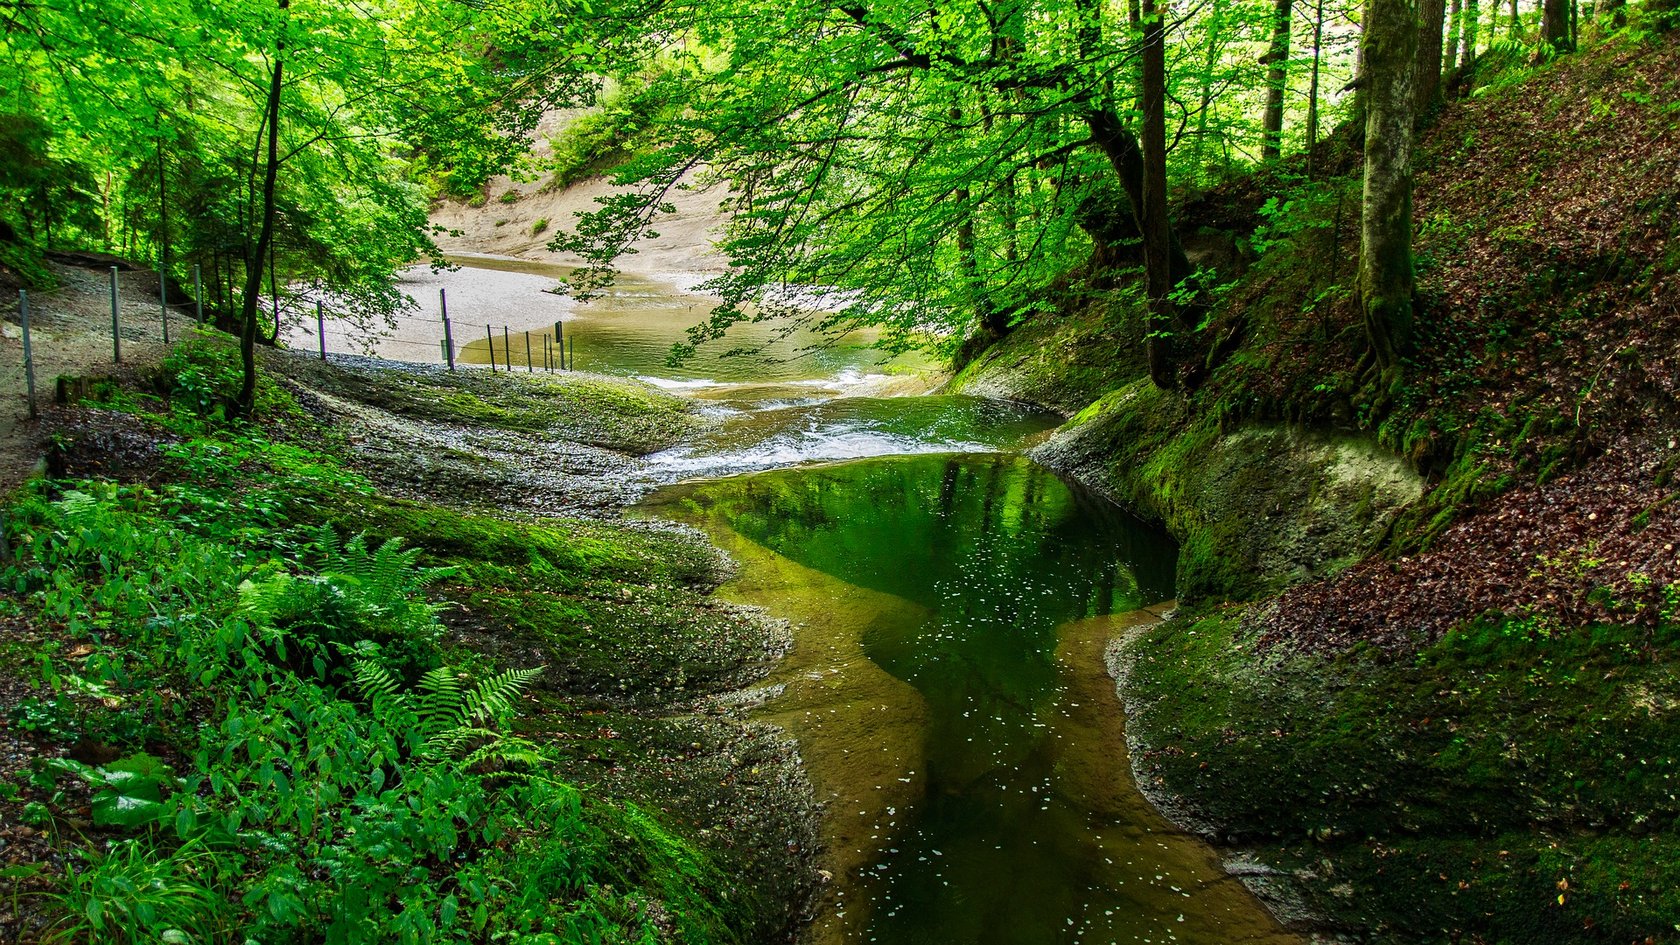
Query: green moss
pixel 622 415
pixel 1065 362
pixel 1508 757
pixel 617 612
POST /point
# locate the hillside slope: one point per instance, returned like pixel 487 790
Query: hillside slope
pixel 1469 734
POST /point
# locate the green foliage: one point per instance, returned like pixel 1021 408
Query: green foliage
pixel 599 140
pixel 140 892
pixel 451 719
pixel 305 806
pixel 358 602
pixel 134 128
pixel 539 226
pixel 126 793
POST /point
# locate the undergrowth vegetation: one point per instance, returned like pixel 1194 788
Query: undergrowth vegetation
pixel 254 732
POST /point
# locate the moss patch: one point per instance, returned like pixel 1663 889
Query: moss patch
pixel 617 414
pixel 1254 508
pixel 1511 783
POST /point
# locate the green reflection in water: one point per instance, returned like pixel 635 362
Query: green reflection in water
pixel 1021 825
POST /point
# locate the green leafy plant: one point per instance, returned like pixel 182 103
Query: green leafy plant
pixel 138 892
pixel 129 792
pixel 358 598
pixel 450 718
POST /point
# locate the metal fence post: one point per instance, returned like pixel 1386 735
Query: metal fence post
pixel 448 336
pixel 116 322
pixel 528 367
pixel 490 339
pixel 507 348
pixel 321 328
pixel 28 352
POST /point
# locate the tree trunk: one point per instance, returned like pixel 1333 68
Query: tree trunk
pixel 1455 27
pixel 1618 13
pixel 1157 232
pixel 265 235
pixel 1312 86
pixel 1516 22
pixel 1385 247
pixel 163 223
pixel 1210 64
pixel 1124 154
pixel 1431 13
pixel 1277 80
pixel 1472 21
pixel 1554 25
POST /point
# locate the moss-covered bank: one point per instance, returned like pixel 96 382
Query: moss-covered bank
pixel 1513 782
pixel 1255 508
pixel 1426 676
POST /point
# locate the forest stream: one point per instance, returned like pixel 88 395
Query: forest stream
pixel 952 602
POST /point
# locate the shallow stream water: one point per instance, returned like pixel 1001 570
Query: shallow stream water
pixel 952 603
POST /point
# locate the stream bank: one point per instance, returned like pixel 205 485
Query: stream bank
pixel 697 822
pixel 1426 666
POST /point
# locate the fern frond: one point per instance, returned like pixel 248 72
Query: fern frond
pixel 511 752
pixel 451 742
pixel 375 682
pixel 440 700
pixel 497 697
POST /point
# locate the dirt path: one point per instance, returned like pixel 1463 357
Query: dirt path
pixel 70 329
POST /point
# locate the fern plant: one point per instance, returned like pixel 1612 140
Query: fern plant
pixel 357 597
pixel 449 718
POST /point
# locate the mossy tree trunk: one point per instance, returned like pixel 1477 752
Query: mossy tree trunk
pixel 1157 232
pixel 1277 80
pixel 1455 20
pixel 1472 18
pixel 1385 248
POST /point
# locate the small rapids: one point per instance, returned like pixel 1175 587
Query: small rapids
pixel 778 433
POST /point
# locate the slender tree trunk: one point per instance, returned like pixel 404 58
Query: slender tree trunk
pixel 1516 22
pixel 1125 155
pixel 1210 64
pixel 1385 250
pixel 1554 25
pixel 1455 27
pixel 1157 232
pixel 1472 22
pixel 1312 87
pixel 1277 80
pixel 1431 13
pixel 253 265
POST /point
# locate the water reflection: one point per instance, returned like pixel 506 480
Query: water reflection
pixel 628 330
pixel 1016 822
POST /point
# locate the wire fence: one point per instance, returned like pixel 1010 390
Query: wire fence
pixel 133 319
